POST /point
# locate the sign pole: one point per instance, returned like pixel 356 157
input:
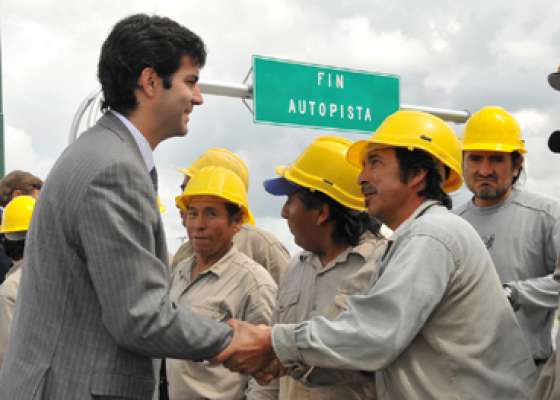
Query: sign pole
pixel 243 91
pixel 2 158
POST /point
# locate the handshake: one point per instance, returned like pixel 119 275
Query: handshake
pixel 250 352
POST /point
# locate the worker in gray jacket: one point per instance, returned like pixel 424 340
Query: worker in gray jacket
pixel 435 325
pixel 521 229
pixel 548 385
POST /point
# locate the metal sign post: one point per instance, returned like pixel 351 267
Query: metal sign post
pixel 2 157
pixel 280 93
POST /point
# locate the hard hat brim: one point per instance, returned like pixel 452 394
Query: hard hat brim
pixel 185 171
pixel 357 152
pixel 182 203
pixel 554 80
pixel 280 186
pixel 499 147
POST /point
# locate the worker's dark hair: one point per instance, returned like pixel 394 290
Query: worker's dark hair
pixel 13 248
pixel 235 213
pixel 141 41
pixel 349 225
pixel 516 161
pixel 411 162
pixel 18 180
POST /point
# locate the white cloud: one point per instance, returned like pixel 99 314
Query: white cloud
pixel 20 153
pixel 532 121
pixel 357 41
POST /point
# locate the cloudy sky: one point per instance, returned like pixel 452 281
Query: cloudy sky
pixel 449 54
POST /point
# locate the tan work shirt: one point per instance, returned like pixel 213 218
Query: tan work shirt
pixel 309 289
pixel 234 287
pixel 8 294
pixel 258 244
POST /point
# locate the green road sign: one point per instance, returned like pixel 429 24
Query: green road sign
pixel 298 94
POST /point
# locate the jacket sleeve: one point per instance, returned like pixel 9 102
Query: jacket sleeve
pixel 259 311
pixel 542 291
pixel 379 324
pixel 539 292
pixel 118 228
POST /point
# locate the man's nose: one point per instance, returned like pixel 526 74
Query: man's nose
pixel 284 212
pixel 197 98
pixel 486 168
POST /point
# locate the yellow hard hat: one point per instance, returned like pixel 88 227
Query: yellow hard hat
pixel 493 129
pixel 160 205
pixel 17 214
pixel 220 182
pixel 417 130
pixel 322 166
pixel 219 157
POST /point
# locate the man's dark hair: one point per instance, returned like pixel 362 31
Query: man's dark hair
pixel 516 160
pixel 14 248
pixel 349 225
pixel 411 162
pixel 18 180
pixel 141 41
pixel 234 212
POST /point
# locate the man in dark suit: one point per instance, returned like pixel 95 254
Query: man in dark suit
pixel 93 307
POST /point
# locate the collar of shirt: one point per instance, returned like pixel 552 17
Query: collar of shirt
pixel 410 220
pixel 185 267
pixel 140 140
pixel 492 209
pixel 362 250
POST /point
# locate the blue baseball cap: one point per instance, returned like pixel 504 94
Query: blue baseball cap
pixel 280 186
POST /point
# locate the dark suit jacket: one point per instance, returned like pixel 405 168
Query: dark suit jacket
pixel 93 306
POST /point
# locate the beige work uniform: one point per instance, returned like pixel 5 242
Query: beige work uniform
pixel 258 244
pixel 308 290
pixel 234 287
pixel 8 294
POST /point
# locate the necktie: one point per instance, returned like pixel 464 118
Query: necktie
pixel 153 175
pixel 163 393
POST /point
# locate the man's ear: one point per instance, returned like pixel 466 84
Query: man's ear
pixel 418 180
pixel 148 81
pixel 324 214
pixel 518 165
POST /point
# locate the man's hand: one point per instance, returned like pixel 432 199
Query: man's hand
pixel 250 349
pixel 274 370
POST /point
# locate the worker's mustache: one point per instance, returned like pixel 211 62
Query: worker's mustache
pixel 491 177
pixel 368 189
